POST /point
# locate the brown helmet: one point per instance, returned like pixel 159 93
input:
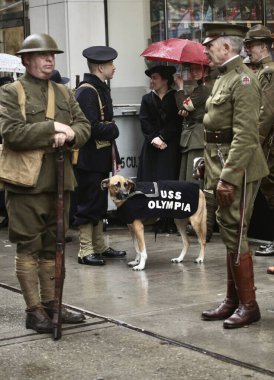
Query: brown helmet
pixel 39 43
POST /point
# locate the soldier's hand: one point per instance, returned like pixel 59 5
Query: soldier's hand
pixel 225 193
pixel 59 139
pixel 66 129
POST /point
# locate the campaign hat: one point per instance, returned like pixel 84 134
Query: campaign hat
pixel 56 77
pixel 100 54
pixel 165 71
pixel 258 32
pixel 216 30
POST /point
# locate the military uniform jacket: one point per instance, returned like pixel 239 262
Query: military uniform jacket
pixel 37 133
pixel 234 104
pixel 192 136
pixel 91 158
pixel 265 75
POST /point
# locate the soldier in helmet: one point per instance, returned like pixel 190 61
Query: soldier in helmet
pixel 234 163
pixel 32 210
pixel 258 42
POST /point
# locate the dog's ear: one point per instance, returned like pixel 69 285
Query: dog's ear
pixel 131 185
pixel 105 184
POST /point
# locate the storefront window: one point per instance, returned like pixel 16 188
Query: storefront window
pixel 184 18
pixel 14 25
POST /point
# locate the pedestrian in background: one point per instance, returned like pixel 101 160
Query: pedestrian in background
pixel 161 126
pixel 96 157
pixel 192 108
pixel 32 210
pixel 258 42
pixel 234 163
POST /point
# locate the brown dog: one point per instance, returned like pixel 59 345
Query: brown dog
pixel 121 189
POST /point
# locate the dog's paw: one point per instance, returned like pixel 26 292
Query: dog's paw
pixel 176 260
pixel 199 260
pixel 132 263
pixel 138 267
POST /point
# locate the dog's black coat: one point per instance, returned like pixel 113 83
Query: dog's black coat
pixel 171 199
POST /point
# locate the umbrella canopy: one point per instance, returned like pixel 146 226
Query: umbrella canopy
pixel 11 64
pixel 176 50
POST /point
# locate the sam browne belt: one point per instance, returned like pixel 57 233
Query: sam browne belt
pixel 218 137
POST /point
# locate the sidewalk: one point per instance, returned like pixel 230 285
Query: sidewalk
pixel 140 325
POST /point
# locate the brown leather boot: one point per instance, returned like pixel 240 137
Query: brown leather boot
pixel 68 316
pixel 230 303
pixel 38 320
pixel 248 310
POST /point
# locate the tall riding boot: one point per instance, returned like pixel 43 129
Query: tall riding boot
pixel 86 253
pixel 248 310
pixel 27 274
pixel 211 206
pixel 230 303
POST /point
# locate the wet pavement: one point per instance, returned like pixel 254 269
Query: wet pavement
pixel 140 325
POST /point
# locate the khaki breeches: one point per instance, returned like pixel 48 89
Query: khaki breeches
pixel 228 219
pixel 32 223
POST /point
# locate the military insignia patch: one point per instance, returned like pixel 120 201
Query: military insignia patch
pixel 246 80
pixel 188 105
pixel 268 77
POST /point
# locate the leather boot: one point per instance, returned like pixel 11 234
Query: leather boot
pixel 38 320
pixel 248 310
pixel 230 303
pixel 68 316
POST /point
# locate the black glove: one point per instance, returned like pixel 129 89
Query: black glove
pixel 225 193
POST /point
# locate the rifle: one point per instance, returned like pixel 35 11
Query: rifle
pixel 60 249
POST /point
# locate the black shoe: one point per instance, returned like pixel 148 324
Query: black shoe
pixel 91 259
pixel 68 316
pixel 268 251
pixel 110 252
pixel 68 239
pixel 190 230
pixel 38 320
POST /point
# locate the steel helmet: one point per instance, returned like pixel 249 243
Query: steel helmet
pixel 39 43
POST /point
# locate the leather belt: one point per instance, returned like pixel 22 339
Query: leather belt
pixel 218 137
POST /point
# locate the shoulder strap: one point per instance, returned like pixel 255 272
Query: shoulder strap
pixel 50 113
pixel 21 97
pixel 99 99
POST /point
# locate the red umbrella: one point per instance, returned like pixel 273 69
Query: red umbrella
pixel 176 50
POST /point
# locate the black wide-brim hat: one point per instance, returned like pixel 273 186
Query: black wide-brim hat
pixel 100 54
pixel 56 77
pixel 164 71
